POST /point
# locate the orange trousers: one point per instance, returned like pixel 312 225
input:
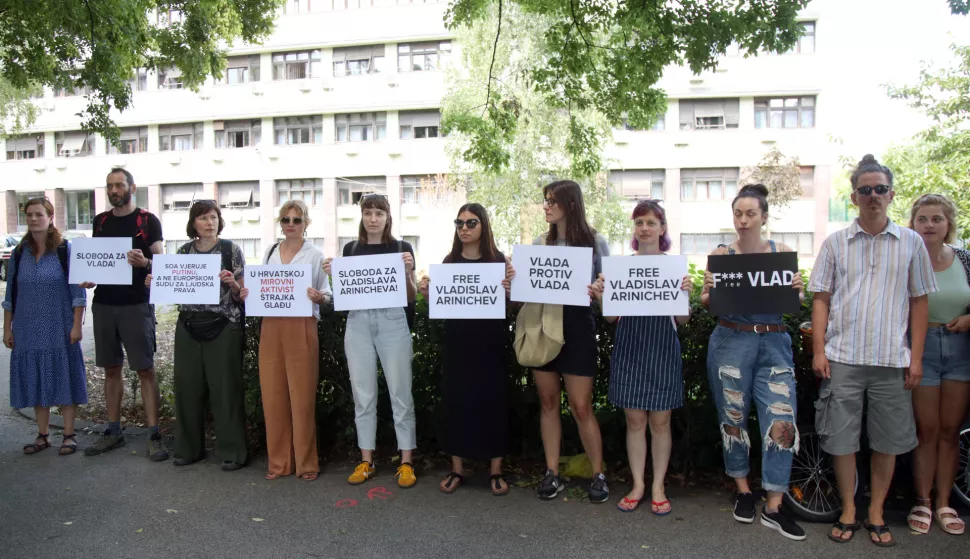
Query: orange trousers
pixel 289 370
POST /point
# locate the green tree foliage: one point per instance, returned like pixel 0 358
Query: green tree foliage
pixel 938 158
pixel 16 109
pixel 782 176
pixel 99 44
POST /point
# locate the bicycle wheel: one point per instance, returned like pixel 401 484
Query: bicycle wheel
pixel 961 485
pixel 813 493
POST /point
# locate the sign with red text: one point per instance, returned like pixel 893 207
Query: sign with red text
pixel 185 279
pixel 100 260
pixel 368 282
pixel 466 291
pixel 552 274
pixel 279 290
pixel 645 286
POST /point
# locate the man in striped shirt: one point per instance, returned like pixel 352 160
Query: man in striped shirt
pixel 871 282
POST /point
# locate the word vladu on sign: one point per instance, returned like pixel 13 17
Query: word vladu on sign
pixel 466 291
pixel 101 260
pixel 279 290
pixel 368 282
pixel 645 286
pixel 185 279
pixel 552 274
pixel 754 283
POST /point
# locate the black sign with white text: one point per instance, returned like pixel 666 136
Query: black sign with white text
pixel 754 283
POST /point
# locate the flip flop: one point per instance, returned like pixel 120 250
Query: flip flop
pixel 920 514
pixel 496 487
pixel 945 523
pixel 658 505
pixel 634 502
pixel 843 527
pixel 309 476
pixel 449 488
pixel 879 530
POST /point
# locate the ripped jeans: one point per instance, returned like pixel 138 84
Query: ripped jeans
pixel 742 366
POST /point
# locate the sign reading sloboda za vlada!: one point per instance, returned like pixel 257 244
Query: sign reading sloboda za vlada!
pixel 101 260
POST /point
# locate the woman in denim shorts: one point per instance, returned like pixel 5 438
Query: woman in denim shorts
pixel 749 358
pixel 940 401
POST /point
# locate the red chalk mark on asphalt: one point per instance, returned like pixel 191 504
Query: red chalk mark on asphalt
pixel 346 503
pixel 379 493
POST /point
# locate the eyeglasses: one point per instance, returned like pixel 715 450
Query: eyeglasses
pixel 471 223
pixel 549 203
pixel 294 220
pixel 867 190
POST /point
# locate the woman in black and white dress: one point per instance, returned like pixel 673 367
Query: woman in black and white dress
pixel 646 371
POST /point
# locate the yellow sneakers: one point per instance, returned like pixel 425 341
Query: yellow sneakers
pixel 361 473
pixel 405 476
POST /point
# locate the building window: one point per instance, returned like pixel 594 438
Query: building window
pixel 309 191
pixel 169 17
pixel 179 197
pixel 704 243
pixel 238 195
pixel 360 127
pixel 73 144
pixel 806 43
pixel 351 189
pixel 80 209
pixel 416 125
pixel 170 79
pixel 342 242
pixel 658 125
pixel 415 242
pixel 297 65
pixel 237 133
pixel 240 69
pixel 180 137
pixel 807 178
pixel 25 147
pixel 420 57
pixel 708 184
pixel 357 61
pixel 410 189
pixel 22 198
pixel 709 114
pixel 840 210
pixel 141 198
pixel 132 140
pixel 139 82
pixel 251 248
pixel 802 243
pixel 784 112
pixel 296 130
pixel 639 184
pixel 72 92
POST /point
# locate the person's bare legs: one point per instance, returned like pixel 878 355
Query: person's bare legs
pixel 954 400
pixel 845 474
pixel 150 396
pixel 579 390
pixel 883 466
pixel 367 455
pixel 69 413
pixel 449 482
pixel 926 410
pixel 636 451
pixel 495 469
pixel 114 391
pixel 550 423
pixel 43 416
pixel 661 442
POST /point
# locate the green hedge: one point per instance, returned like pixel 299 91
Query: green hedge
pixel 695 427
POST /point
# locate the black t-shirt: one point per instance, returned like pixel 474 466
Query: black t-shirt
pixel 145 230
pixel 355 248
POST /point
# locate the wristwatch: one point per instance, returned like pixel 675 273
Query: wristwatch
pixel 148 267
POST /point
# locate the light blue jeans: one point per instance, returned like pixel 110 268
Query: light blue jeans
pixel 743 367
pixel 384 334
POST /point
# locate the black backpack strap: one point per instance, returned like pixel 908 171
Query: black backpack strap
pixel 272 249
pixel 15 259
pixel 225 247
pixel 353 248
pixel 62 256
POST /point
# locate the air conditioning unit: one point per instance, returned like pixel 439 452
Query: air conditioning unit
pixel 174 159
pixel 326 84
pixel 258 89
pixel 393 79
pixel 40 165
pixel 305 86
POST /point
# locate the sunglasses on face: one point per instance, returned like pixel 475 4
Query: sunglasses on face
pixel 868 190
pixel 549 203
pixel 294 220
pixel 471 223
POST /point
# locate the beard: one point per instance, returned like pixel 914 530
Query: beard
pixel 121 202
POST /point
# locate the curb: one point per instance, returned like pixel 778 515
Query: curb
pixel 57 422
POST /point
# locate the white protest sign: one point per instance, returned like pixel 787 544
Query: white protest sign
pixel 466 291
pixel 368 282
pixel 185 279
pixel 101 260
pixel 279 290
pixel 552 274
pixel 645 286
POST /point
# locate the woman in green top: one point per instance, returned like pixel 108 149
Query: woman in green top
pixel 940 401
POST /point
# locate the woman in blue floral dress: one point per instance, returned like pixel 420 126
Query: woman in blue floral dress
pixel 42 325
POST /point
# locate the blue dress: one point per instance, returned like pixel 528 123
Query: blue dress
pixel 45 368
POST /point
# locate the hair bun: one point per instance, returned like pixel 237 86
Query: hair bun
pixel 757 188
pixel 868 159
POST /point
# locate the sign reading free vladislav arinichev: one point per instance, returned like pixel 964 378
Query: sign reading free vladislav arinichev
pixel 466 291
pixel 279 290
pixel 368 282
pixel 101 260
pixel 185 279
pixel 645 286
pixel 754 283
pixel 552 274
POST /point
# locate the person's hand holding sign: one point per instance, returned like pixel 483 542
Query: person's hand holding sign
pixel 148 281
pixel 596 288
pixel 408 263
pixel 316 296
pixel 243 293
pixel 708 280
pixel 509 275
pixel 87 285
pixel 799 284
pixel 326 266
pixel 137 258
pixel 687 284
pixel 423 286
pixel 229 279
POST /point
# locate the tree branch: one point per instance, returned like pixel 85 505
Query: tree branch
pixel 498 32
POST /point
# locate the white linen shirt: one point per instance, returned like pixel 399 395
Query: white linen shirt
pixel 308 254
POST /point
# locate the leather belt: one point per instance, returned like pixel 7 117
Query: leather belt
pixel 756 328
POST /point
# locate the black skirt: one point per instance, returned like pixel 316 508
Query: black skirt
pixel 578 354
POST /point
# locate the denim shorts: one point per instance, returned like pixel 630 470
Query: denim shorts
pixel 946 356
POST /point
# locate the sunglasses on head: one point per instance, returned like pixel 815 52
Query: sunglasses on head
pixel 471 223
pixel 868 190
pixel 294 220
pixel 206 201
